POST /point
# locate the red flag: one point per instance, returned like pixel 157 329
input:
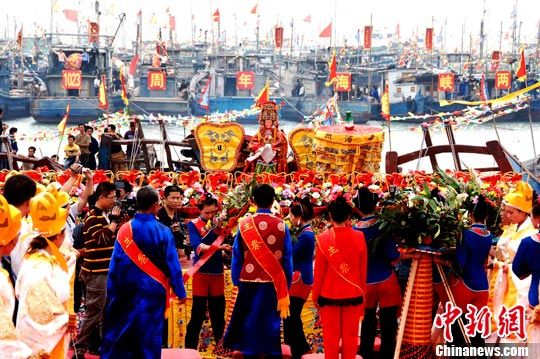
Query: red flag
pixel 133 65
pixel 278 36
pixel 495 57
pixel 332 67
pixel 521 72
pixel 72 15
pixel 102 98
pixel 172 22
pixel 385 104
pixel 93 32
pixel 216 16
pixel 367 37
pixel 124 90
pixel 263 97
pixel 254 10
pixel 62 124
pixel 484 96
pixel 19 38
pixel 429 39
pixel 327 32
pixel 308 19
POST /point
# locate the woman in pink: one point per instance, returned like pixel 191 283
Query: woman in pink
pixel 340 282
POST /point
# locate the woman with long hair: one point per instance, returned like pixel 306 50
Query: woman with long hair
pixel 339 285
pixel 301 213
pixel 45 315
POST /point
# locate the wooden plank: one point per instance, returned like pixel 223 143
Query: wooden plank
pixel 167 148
pixel 499 154
pixel 391 162
pixel 429 144
pixel 406 303
pixel 452 143
pixel 143 144
pixel 441 149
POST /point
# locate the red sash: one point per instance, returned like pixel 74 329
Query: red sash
pixel 333 255
pixel 199 224
pixel 125 238
pixel 267 261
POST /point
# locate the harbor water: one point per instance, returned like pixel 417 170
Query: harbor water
pixel 517 137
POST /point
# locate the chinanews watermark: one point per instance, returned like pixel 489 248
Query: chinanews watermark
pixel 488 351
pixel 510 323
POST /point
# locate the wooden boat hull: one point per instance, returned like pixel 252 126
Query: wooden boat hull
pixel 52 110
pixel 14 106
pixel 159 105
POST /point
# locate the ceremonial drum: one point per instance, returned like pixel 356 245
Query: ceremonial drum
pixel 338 149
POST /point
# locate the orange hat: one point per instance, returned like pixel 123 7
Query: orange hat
pixel 48 217
pixel 62 197
pixel 10 222
pixel 521 198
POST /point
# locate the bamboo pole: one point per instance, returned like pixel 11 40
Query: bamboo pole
pixel 405 310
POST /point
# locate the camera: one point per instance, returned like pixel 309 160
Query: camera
pixel 128 207
pixel 179 231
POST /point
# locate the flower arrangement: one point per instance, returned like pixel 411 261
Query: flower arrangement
pixel 193 194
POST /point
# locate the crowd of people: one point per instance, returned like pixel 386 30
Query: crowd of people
pixel 81 148
pixel 118 254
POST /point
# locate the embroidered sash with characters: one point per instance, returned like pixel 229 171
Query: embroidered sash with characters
pixel 267 261
pixel 333 255
pixel 125 238
pixel 214 247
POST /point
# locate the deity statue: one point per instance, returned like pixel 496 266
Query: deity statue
pixel 269 146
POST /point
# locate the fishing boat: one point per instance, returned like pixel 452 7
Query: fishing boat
pixel 70 79
pixel 14 103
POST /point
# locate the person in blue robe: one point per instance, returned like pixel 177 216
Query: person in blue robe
pixel 134 313
pixel 255 323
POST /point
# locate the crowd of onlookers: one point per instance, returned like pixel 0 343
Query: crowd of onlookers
pixel 81 148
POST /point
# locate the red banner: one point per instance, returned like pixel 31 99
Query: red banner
pixel 429 39
pixel 279 36
pixel 157 81
pixel 495 60
pixel 93 32
pixel 343 81
pixel 367 37
pixel 71 79
pixel 245 80
pixel 446 82
pixel 503 80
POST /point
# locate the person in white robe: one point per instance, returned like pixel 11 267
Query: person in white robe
pixel 45 319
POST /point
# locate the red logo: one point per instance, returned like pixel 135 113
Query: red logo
pixel 157 81
pixel 71 79
pixel 245 80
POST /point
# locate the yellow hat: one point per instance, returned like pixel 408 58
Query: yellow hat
pixel 48 217
pixel 62 197
pixel 10 222
pixel 521 198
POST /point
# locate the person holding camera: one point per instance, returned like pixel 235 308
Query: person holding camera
pixel 170 216
pixel 99 234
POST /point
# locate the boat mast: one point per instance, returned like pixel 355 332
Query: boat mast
pixel 514 27
pixel 482 35
pixel 257 31
pixel 370 47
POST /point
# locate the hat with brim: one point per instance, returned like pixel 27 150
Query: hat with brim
pixel 521 198
pixel 48 217
pixel 10 222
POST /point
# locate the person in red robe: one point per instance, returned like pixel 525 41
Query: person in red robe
pixel 339 285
